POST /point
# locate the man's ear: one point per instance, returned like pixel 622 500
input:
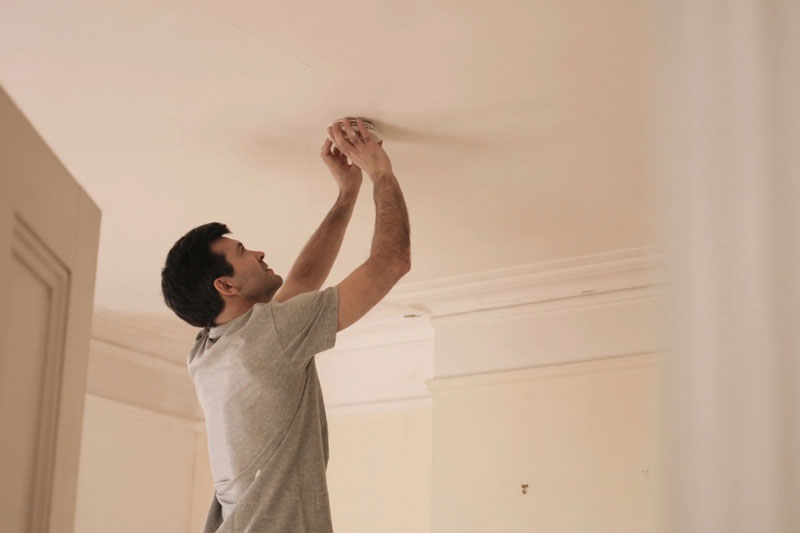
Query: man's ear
pixel 225 286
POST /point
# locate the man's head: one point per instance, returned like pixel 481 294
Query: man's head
pixel 206 272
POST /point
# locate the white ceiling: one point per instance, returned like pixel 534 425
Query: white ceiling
pixel 515 127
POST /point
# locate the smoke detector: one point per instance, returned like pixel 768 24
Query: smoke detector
pixel 368 124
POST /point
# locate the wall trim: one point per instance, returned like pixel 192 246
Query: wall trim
pixel 104 347
pixel 558 370
pixel 153 336
pixel 382 406
pixel 387 332
pixel 151 415
pixel 141 379
pixel 566 281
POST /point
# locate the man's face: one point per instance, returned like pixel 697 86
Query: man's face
pixel 252 278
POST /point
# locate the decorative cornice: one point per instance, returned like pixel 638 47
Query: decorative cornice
pixel 566 280
pixel 140 379
pixel 387 331
pixel 382 406
pixel 149 414
pixel 169 340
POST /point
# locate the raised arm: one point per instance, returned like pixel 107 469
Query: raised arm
pixel 390 255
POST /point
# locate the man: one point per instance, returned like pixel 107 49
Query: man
pixel 253 362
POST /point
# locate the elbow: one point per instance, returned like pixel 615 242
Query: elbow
pixel 394 265
pixel 405 266
pixel 401 266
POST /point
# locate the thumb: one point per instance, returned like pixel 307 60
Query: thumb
pixel 329 151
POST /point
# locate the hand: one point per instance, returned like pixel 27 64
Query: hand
pixel 360 147
pixel 348 176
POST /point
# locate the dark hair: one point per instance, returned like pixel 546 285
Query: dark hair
pixel 187 279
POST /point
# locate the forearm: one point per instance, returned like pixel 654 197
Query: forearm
pixel 316 260
pixel 392 239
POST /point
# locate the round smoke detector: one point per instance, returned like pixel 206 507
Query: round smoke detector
pixel 367 124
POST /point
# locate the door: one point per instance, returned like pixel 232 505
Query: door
pixel 49 230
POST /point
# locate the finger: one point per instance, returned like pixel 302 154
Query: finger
pixel 338 137
pixel 330 151
pixel 365 134
pixel 342 142
pixel 351 133
pixel 331 143
pixel 345 126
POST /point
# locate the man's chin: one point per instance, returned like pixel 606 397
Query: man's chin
pixel 277 283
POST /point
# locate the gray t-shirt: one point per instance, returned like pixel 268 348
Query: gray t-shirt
pixel 257 384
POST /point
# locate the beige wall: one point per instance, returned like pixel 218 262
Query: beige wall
pixel 136 470
pixel 582 436
pixel 559 395
pixel 203 483
pixel 556 388
pixel 379 473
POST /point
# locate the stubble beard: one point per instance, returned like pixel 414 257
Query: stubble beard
pixel 271 287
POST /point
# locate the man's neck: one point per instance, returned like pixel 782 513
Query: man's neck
pixel 232 311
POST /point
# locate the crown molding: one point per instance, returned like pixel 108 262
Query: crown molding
pixel 386 331
pixel 142 380
pixel 536 373
pixel 148 414
pixel 153 336
pixel 380 406
pixel 564 280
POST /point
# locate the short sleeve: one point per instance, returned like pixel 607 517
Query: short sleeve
pixel 306 324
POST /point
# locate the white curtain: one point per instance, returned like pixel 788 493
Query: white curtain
pixel 726 118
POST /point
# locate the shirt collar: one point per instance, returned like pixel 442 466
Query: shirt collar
pixel 216 332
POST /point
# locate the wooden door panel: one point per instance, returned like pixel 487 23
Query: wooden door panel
pixel 49 233
pixel 30 371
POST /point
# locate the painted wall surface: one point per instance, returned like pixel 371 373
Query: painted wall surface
pixel 582 437
pixel 562 398
pixel 136 470
pixel 203 483
pixel 379 473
